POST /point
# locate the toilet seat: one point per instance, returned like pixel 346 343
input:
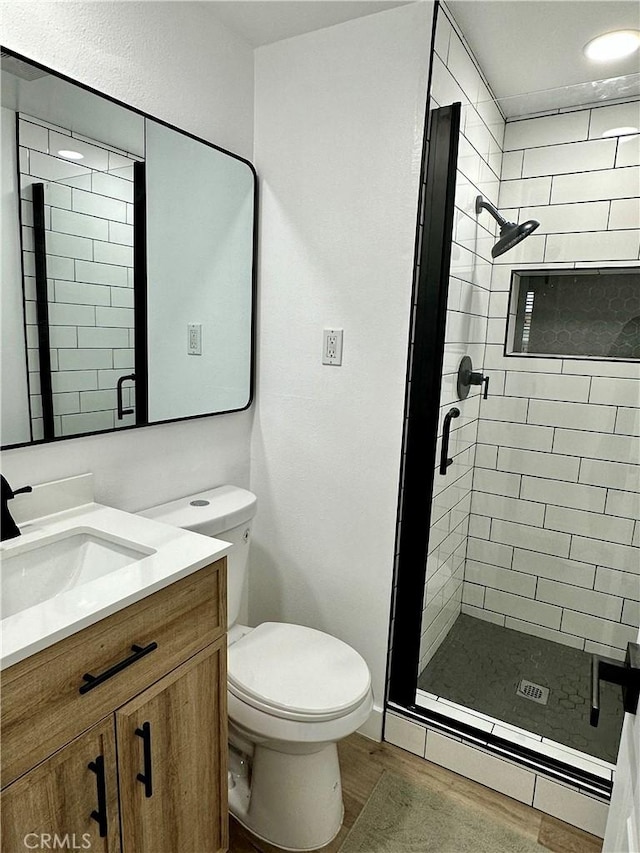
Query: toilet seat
pixel 296 673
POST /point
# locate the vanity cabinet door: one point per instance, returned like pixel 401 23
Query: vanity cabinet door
pixel 172 760
pixel 69 801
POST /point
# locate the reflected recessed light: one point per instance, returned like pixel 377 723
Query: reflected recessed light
pixel 621 131
pixel 615 45
pixel 71 155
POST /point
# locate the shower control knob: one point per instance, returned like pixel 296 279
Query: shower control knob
pixel 467 377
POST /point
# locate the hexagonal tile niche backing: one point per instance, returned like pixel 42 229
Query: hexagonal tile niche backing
pixel 593 314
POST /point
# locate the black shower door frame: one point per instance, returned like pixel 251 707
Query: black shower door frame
pixel 422 413
pixel 424 379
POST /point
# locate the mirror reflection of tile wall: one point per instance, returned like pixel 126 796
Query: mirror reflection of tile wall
pixel 89 247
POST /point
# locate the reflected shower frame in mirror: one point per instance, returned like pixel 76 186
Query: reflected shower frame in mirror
pixel 139 390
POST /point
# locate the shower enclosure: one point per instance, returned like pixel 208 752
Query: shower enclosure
pixel 518 530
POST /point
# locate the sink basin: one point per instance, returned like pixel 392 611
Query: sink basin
pixel 37 571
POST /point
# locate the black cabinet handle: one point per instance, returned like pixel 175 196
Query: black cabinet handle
pixel 100 815
pixel 121 411
pixel 95 680
pixel 486 387
pixel 446 429
pixel 625 673
pixel 146 777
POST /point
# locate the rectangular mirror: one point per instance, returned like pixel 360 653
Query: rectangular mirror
pixel 128 274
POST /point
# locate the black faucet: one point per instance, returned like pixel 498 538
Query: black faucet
pixel 8 528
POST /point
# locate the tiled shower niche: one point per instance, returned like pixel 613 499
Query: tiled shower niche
pixel 577 313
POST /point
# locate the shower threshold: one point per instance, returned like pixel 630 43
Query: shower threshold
pixel 545 748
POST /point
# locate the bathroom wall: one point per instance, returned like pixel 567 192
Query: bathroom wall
pixel 121 49
pixel 88 213
pixel 555 531
pixel 456 77
pixel 339 121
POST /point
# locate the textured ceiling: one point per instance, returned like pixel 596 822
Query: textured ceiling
pixel 265 21
pixel 535 46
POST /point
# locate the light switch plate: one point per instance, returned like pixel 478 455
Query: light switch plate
pixel 194 339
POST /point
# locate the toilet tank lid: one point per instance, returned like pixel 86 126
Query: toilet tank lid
pixel 210 513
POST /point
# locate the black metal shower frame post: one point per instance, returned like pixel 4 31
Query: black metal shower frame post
pixel 425 378
pixel 140 292
pixel 42 310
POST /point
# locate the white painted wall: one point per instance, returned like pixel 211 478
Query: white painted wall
pixel 173 60
pixel 177 62
pixel 339 120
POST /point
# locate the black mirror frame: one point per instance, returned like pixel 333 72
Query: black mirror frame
pixel 140 259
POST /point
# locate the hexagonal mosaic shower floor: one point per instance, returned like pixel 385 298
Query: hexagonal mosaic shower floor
pixel 480 665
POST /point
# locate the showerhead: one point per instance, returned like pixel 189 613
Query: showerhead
pixel 510 232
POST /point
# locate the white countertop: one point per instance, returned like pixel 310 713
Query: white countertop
pixel 177 553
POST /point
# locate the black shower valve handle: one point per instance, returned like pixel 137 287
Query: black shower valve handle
pixel 477 378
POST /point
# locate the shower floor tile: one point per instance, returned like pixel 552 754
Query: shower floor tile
pixel 480 665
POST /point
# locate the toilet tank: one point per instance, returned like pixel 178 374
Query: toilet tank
pixel 225 513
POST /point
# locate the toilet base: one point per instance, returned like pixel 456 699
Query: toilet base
pixel 294 801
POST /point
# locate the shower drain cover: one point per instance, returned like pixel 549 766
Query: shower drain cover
pixel 533 691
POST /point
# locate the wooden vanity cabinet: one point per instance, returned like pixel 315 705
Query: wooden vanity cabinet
pixel 57 798
pixel 172 799
pixel 151 776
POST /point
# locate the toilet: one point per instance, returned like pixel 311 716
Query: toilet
pixel 293 692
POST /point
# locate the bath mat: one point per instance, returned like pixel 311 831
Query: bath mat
pixel 402 817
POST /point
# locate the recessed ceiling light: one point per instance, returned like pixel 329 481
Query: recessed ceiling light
pixel 621 131
pixel 615 45
pixel 71 155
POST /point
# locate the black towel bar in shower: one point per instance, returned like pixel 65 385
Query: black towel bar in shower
pixel 445 461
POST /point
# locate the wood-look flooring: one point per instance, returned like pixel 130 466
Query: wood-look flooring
pixel 363 761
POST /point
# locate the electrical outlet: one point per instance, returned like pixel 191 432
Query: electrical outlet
pixel 332 346
pixel 194 339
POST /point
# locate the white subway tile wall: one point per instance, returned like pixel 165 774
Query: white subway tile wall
pixel 554 547
pixel 456 78
pixel 89 246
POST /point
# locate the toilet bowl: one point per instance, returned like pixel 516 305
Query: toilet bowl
pixel 293 693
